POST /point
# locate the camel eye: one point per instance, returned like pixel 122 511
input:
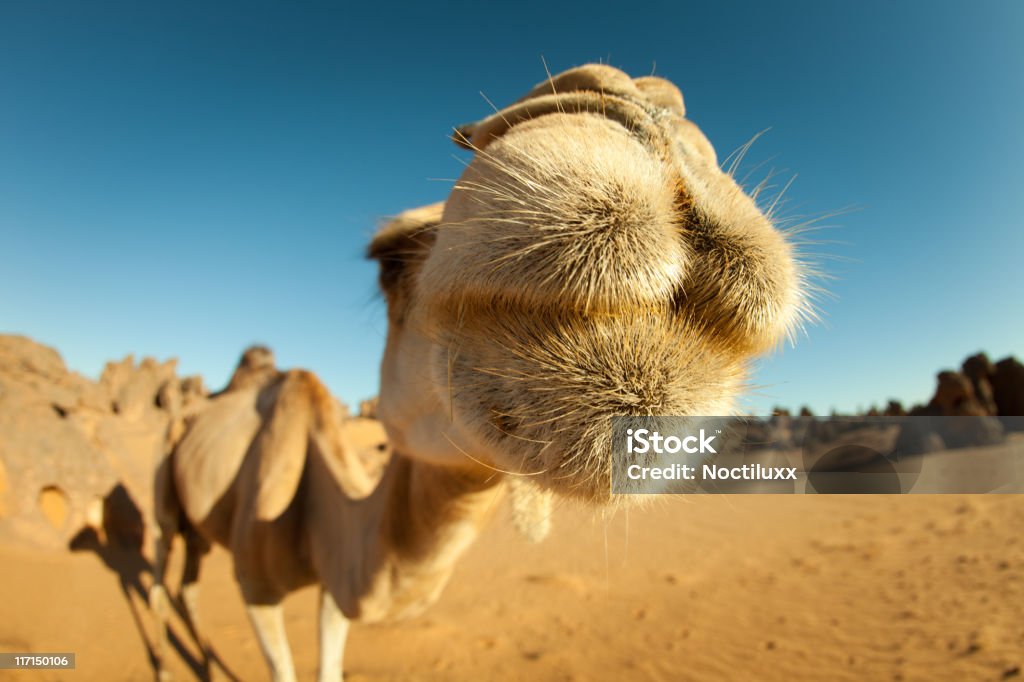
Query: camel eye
pixel 382 447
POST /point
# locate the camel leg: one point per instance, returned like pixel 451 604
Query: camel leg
pixel 195 548
pixel 268 622
pixel 167 517
pixel 158 602
pixel 333 633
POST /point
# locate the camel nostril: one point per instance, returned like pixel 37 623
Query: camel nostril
pixel 742 283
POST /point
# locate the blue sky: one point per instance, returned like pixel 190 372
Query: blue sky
pixel 183 179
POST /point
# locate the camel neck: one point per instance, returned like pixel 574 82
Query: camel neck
pixel 428 517
pixel 428 504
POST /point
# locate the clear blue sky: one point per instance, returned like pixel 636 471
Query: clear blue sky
pixel 183 179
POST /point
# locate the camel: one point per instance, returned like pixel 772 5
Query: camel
pixel 215 485
pixel 593 260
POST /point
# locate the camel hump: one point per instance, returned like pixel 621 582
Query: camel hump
pixel 303 420
pixel 207 459
pixel 283 442
pixel 338 439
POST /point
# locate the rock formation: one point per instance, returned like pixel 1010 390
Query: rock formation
pixel 75 453
pixel 368 408
pixel 961 412
pixel 895 409
pixel 979 369
pixel 954 397
pixel 1007 380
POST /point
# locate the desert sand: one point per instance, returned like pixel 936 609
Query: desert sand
pixel 684 587
pixel 688 588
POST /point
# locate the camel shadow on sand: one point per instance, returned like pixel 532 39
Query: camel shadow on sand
pixel 122 554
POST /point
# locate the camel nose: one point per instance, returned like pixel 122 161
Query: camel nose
pixel 567 211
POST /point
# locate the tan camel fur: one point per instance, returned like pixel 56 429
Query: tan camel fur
pixel 271 472
pixel 593 260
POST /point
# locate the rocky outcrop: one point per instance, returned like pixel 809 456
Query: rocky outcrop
pixel 959 415
pixel 368 408
pixel 1007 380
pixel 979 369
pixel 256 366
pixel 895 409
pixel 68 444
pixel 954 397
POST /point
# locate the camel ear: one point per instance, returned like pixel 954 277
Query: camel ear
pixel 531 508
pixel 400 247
